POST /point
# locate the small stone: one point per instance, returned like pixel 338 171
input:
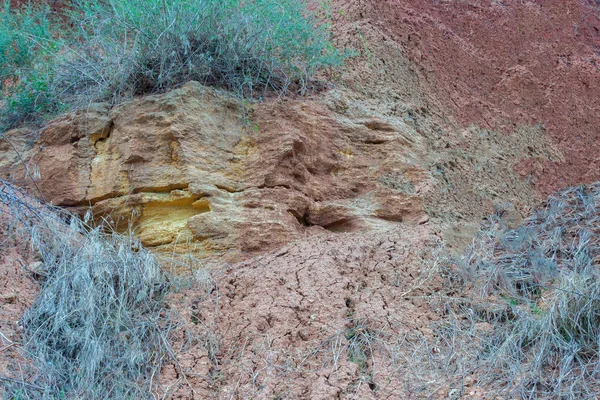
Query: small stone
pixel 10 298
pixel 36 267
pixel 303 334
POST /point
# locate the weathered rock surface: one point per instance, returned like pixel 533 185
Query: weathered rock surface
pixel 184 170
pixel 454 110
pixel 195 170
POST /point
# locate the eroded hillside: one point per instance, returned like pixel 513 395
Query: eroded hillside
pixel 328 221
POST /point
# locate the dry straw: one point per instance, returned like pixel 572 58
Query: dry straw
pixel 99 328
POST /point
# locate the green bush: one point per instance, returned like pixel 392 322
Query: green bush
pixel 28 44
pixel 120 48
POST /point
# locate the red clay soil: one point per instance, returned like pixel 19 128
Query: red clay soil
pixel 502 63
pixel 321 318
pixel 18 291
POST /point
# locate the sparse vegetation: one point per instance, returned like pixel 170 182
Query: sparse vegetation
pixel 521 314
pixel 524 324
pixel 527 320
pixel 544 283
pixel 29 42
pixel 100 328
pixel 112 50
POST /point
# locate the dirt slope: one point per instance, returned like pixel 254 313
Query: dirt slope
pixel 18 290
pixel 318 319
pixel 502 64
pixel 321 214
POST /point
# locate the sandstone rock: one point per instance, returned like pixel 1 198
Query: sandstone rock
pixel 182 171
pixel 187 171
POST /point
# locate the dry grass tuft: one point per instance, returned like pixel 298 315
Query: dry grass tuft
pixel 99 329
pixel 533 317
pixel 526 321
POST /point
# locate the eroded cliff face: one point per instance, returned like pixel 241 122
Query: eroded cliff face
pixel 498 65
pixel 397 138
pixel 197 170
pixel 452 111
pixel 190 169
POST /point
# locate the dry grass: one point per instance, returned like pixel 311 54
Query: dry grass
pixel 525 322
pixel 529 326
pixel 99 329
pixel 545 340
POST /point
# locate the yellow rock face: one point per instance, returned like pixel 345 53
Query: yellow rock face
pixel 189 171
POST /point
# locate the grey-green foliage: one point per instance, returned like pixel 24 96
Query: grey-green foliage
pixel 28 45
pixel 99 328
pixel 109 50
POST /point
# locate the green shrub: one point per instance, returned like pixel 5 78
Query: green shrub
pixel 121 48
pixel 242 45
pixel 20 33
pixel 28 45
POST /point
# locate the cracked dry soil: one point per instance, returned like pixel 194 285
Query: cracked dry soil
pixel 317 319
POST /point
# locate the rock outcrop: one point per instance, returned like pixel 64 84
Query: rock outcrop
pixel 326 211
pixel 198 170
pixel 437 118
pixel 192 169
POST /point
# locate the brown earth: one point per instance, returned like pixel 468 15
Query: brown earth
pixel 318 319
pixel 18 290
pixel 55 5
pixel 317 213
pixel 503 64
